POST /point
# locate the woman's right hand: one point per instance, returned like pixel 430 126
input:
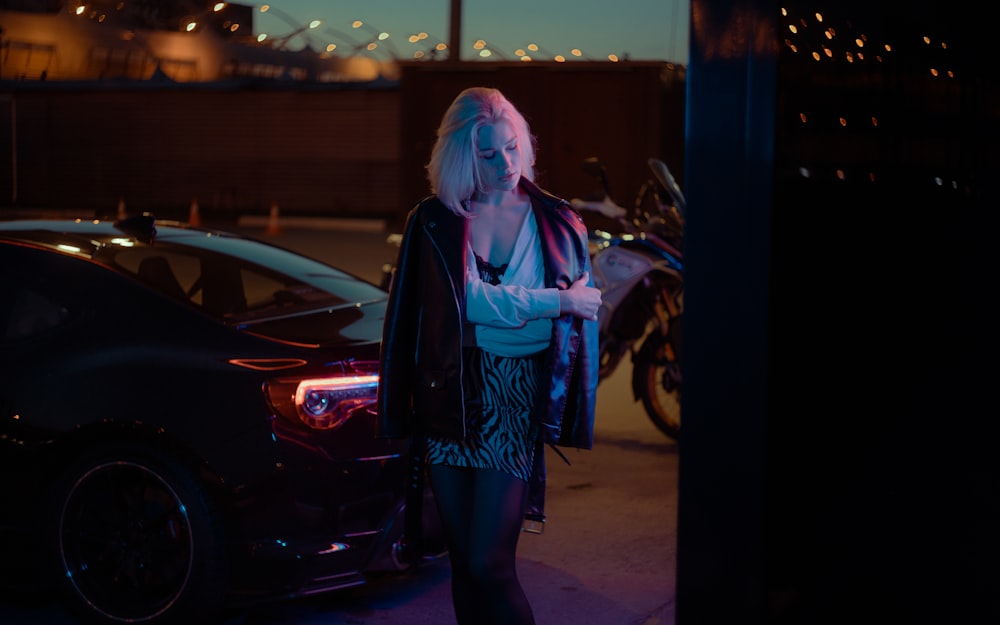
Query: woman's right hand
pixel 580 300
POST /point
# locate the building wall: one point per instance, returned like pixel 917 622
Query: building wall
pixel 319 150
pixel 234 151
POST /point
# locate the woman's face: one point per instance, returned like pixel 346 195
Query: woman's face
pixel 499 156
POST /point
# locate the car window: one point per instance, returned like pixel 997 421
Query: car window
pixel 168 272
pixel 231 287
pixel 29 312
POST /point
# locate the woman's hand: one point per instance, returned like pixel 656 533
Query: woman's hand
pixel 580 300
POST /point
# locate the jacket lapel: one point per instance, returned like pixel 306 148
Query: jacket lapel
pixel 443 229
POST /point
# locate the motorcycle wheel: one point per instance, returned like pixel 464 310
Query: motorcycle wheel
pixel 612 351
pixel 656 380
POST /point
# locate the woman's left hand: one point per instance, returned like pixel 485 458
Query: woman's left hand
pixel 580 300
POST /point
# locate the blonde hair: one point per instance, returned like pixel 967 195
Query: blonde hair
pixel 453 170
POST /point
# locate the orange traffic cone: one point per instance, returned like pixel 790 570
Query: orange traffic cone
pixel 194 217
pixel 121 208
pixel 273 227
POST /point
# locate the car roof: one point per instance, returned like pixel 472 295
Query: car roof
pixel 95 233
pixel 204 261
pixel 90 238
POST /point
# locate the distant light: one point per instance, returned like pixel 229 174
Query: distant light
pixel 261 37
pixel 80 9
pixel 560 58
pixel 191 26
pixel 576 52
pixel 613 58
pixel 484 53
pixel 219 6
pixel 315 23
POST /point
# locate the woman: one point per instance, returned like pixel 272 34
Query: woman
pixel 489 348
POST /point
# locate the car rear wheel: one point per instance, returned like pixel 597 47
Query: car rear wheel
pixel 134 539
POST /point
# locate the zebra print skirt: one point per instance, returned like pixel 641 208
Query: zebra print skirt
pixel 499 432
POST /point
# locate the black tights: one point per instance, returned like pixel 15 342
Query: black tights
pixel 481 511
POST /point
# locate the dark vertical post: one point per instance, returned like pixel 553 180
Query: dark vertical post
pixel 838 456
pixel 455 32
pixel 728 173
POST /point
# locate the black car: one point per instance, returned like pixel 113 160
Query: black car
pixel 186 421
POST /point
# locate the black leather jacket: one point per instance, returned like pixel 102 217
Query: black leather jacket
pixel 420 387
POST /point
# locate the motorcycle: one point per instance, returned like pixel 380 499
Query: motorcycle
pixel 640 273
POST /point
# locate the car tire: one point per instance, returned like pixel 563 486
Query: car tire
pixel 134 537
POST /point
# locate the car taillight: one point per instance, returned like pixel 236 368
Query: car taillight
pixel 323 403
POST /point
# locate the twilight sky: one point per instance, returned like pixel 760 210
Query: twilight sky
pixel 642 29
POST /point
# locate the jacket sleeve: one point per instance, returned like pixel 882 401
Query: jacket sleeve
pixel 585 380
pixel 573 394
pixel 399 335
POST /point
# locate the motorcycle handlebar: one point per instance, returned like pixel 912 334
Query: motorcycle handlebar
pixel 606 207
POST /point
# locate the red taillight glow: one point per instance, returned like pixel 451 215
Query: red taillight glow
pixel 326 403
pixel 328 400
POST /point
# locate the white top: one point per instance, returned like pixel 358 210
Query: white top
pixel 513 318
